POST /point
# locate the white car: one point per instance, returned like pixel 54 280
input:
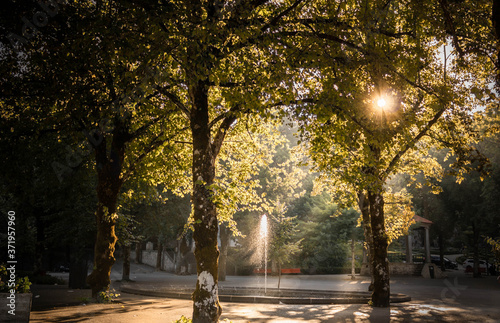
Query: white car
pixel 469 266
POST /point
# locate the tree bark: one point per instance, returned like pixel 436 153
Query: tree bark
pixel 353 261
pixel 126 263
pixel 109 183
pixel 224 245
pixel 138 252
pixel 206 306
pixel 380 264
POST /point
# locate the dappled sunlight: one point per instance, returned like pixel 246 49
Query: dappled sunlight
pixel 394 312
pixel 361 314
pixel 348 313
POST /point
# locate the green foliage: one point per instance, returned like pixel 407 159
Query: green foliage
pixel 23 285
pixel 325 231
pixel 161 216
pixel 107 296
pixel 283 247
pixel 250 148
pixel 184 319
pixel 495 246
pixel 220 64
pixel 19 284
pixel 357 145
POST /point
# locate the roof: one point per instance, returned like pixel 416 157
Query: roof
pixel 421 219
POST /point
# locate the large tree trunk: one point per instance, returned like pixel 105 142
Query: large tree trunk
pixel 126 263
pixel 224 245
pixel 380 264
pixel 206 307
pixel 109 184
pixel 104 249
pixel 138 252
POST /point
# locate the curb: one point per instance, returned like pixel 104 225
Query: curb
pixel 332 297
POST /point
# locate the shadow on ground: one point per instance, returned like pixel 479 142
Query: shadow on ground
pixel 131 310
pixel 407 312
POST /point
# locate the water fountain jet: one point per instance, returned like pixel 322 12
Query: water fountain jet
pixel 263 233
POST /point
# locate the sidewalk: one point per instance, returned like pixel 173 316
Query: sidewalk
pixel 459 298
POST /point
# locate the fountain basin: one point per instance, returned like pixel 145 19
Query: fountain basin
pixel 271 296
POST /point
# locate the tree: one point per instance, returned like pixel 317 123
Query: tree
pixel 54 220
pixel 376 118
pixel 83 79
pixel 282 247
pixel 223 68
pixel 239 188
pixel 468 203
pixel 220 61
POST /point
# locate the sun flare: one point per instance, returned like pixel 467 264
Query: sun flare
pixel 381 102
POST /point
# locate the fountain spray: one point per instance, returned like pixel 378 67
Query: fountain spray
pixel 263 233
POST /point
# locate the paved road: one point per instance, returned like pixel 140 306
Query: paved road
pixel 458 298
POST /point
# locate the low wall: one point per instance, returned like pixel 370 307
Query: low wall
pixel 149 258
pixel 396 268
pixel 400 268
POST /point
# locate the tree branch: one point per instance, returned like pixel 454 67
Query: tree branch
pixel 154 144
pixel 280 15
pixel 174 99
pixel 227 120
pixel 412 143
pixel 450 26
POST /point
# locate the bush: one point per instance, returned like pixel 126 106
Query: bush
pixel 107 296
pixel 22 284
pixel 184 319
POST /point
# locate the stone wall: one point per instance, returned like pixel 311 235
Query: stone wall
pixel 149 258
pixel 400 268
pixel 395 268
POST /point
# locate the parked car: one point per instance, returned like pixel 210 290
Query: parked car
pixel 61 269
pixel 469 266
pixel 448 264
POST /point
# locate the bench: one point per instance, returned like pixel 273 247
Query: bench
pixel 290 271
pixel 283 271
